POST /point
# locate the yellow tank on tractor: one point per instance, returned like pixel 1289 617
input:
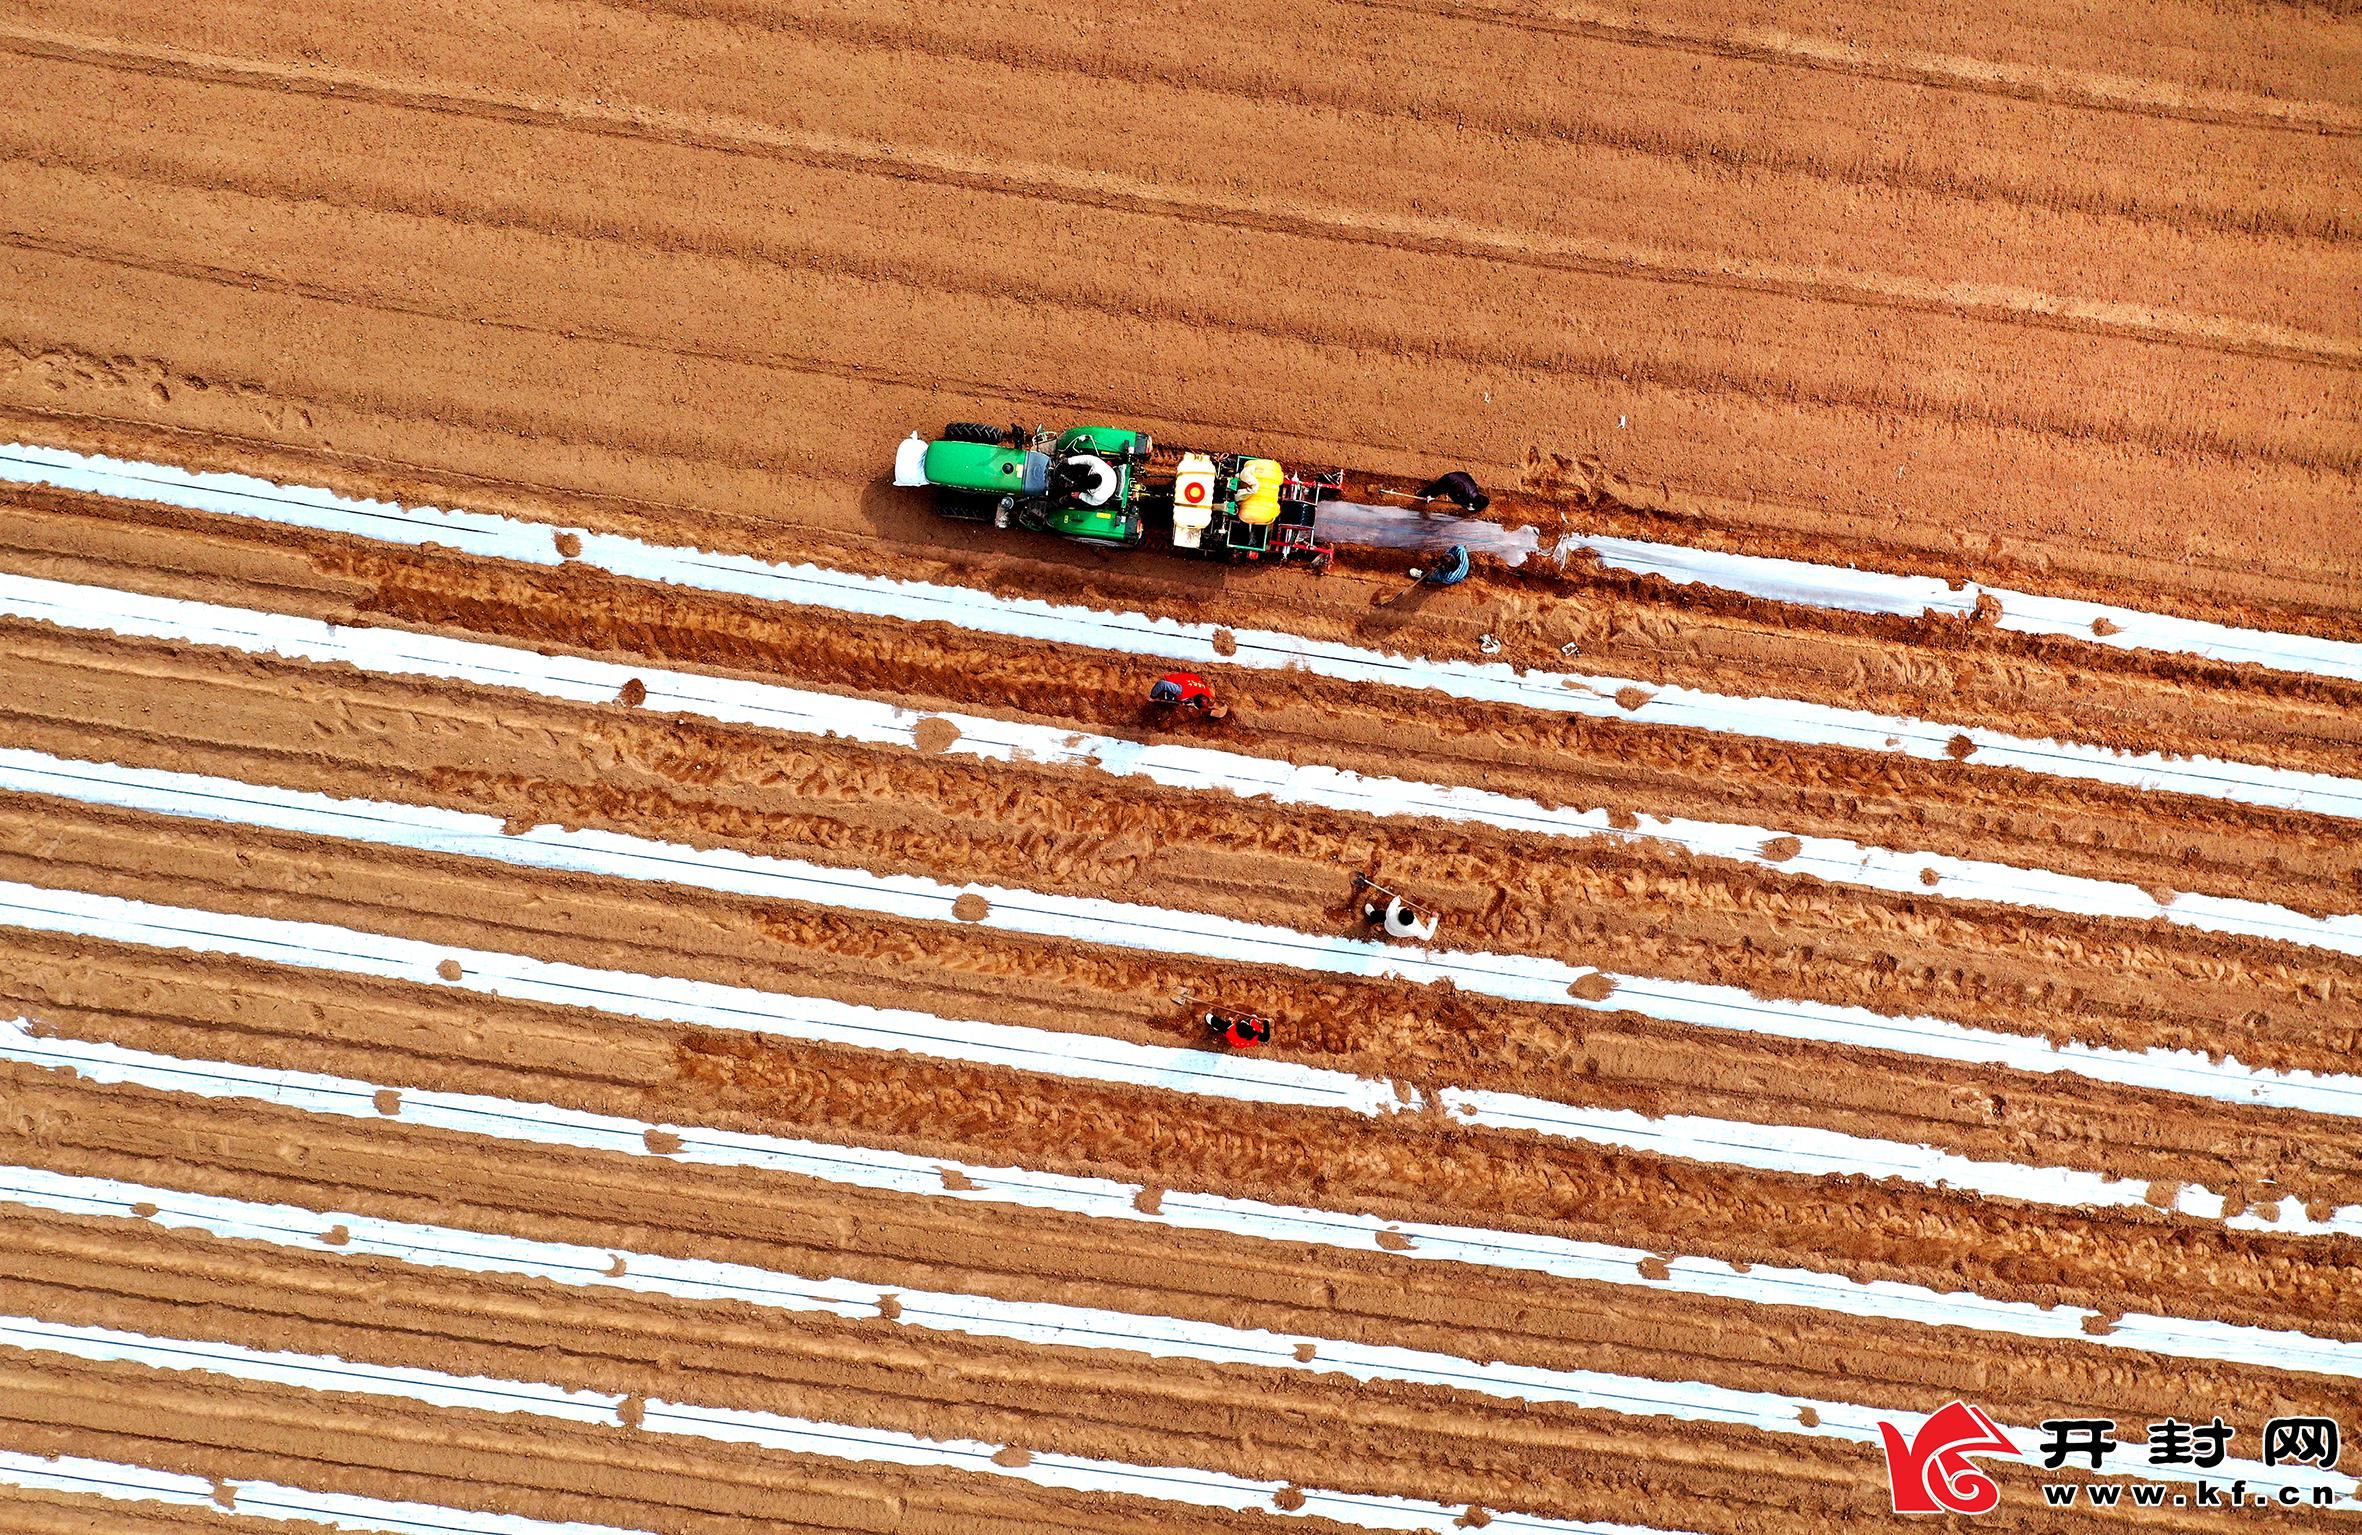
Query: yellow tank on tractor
pixel 1114 485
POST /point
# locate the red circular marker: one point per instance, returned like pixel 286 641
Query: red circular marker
pixel 1195 491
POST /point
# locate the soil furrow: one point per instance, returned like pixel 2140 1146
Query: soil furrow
pixel 201 212
pixel 1415 1166
pixel 1426 1036
pixel 1985 304
pixel 470 1458
pixel 2085 90
pixel 1400 1441
pixel 1626 909
pixel 650 1204
pixel 1697 637
pixel 2015 817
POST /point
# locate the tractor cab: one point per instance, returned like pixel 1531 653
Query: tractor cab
pixel 1094 482
pixel 1081 483
pixel 1094 490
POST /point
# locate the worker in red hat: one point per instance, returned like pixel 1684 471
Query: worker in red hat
pixel 1186 690
pixel 1240 1031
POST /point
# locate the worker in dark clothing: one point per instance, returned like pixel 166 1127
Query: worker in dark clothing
pixel 1460 488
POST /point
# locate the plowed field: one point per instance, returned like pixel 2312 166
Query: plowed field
pixel 573 962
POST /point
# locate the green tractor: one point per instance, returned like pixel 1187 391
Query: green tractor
pixel 1109 484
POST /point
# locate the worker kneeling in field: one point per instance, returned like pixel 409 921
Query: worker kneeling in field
pixel 1186 690
pixel 1241 1031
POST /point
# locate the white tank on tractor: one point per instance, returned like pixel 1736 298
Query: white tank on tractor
pixel 1193 499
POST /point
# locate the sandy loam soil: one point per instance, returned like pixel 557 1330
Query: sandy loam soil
pixel 2058 301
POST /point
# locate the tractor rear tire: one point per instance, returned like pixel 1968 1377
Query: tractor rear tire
pixel 965 506
pixel 973 431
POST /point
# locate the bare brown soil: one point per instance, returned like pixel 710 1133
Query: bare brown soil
pixel 2056 303
pixel 1990 335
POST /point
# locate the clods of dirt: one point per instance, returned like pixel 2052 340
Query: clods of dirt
pixel 1289 1498
pixel 1225 643
pixel 1149 1201
pixel 337 1235
pixel 1781 849
pixel 1632 698
pixel 1306 1353
pixel 1394 1241
pixel 448 970
pixel 569 545
pixel 1929 878
pixel 890 1307
pixel 662 1142
pixel 143 1209
pixel 631 1411
pixel 2103 626
pixel 1623 820
pixel 387 1101
pixel 1012 1457
pixel 934 735
pixel 1959 747
pixel 1653 1267
pixel 615 1266
pixel 971 907
pixel 1808 1417
pixel 1598 986
pixel 1474 1518
pixel 633 692
pixel 955 1180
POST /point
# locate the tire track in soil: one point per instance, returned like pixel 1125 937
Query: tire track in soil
pixel 2176 437
pixel 901 283
pixel 1543 223
pixel 765 531
pixel 558 103
pixel 2083 89
pixel 1533 116
pixel 1054 184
